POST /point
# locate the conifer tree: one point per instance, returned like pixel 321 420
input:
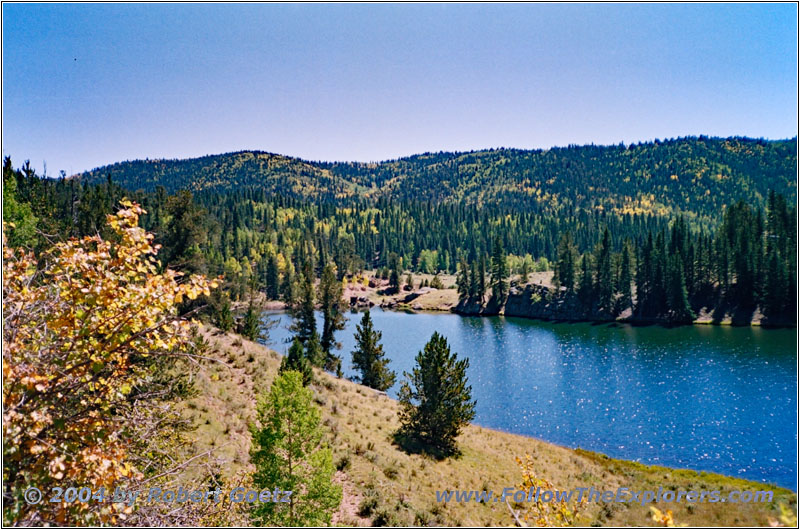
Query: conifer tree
pixel 368 357
pixel 287 285
pixel 586 284
pixel 480 292
pixel 296 360
pixel 251 324
pixel 524 272
pixel 567 259
pixel 272 279
pixel 435 399
pixel 680 310
pixel 302 311
pixel 463 281
pixel 474 284
pixel 332 305
pixel 604 286
pixel 499 271
pixel 314 352
pixel 625 278
pixel 395 272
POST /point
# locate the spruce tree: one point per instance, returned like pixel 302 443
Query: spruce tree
pixel 435 400
pixel 296 360
pixel 368 357
pixel 332 306
pixel 395 272
pixel 287 286
pixel 314 352
pixel 586 284
pixel 625 278
pixel 302 311
pixel 644 280
pixel 480 292
pixel 272 279
pixel 474 285
pixel 566 263
pixel 524 272
pixel 463 281
pixel 679 309
pixel 499 271
pixel 251 324
pixel 289 453
pixel 604 285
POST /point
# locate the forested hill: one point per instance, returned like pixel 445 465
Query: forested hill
pixel 694 176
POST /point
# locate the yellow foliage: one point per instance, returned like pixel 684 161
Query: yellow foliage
pixel 787 518
pixel 663 518
pixel 74 336
pixel 540 513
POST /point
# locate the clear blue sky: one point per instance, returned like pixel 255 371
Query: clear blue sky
pixel 86 85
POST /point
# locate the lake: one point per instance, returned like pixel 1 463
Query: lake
pixel 709 398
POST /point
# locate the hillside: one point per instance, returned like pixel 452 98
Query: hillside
pixel 386 486
pixel 697 176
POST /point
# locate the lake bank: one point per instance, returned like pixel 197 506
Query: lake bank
pixel 403 486
pixel 671 396
pixel 534 299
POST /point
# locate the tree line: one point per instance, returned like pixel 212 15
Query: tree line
pixel 747 263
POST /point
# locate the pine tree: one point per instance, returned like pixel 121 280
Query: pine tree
pixel 304 325
pixel 480 292
pixel 474 284
pixel 625 278
pixel 395 272
pixel 368 357
pixel 679 308
pixel 287 286
pixel 499 272
pixel 604 285
pixel 251 324
pixel 463 281
pixel 330 297
pixel 296 360
pixel 186 232
pixel 524 272
pixel 272 279
pixel 586 284
pixel 565 267
pixel 644 280
pixel 314 352
pixel 435 400
pixel 289 454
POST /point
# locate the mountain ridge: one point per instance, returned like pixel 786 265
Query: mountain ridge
pixel 695 176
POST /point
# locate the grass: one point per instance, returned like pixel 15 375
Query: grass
pixel 385 486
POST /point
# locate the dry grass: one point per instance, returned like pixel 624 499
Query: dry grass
pixel 384 485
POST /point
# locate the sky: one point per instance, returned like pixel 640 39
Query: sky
pixel 86 85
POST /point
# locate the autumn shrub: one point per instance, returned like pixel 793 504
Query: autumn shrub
pixel 87 327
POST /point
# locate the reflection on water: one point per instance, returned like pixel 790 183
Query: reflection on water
pixel 703 397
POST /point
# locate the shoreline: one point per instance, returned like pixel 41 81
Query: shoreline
pixel 360 419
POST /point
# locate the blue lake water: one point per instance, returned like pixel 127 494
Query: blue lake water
pixel 707 398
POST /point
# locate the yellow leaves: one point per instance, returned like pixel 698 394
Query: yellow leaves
pixel 663 518
pixel 540 513
pixel 788 517
pixel 69 339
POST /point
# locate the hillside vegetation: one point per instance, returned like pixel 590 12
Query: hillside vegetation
pixel 384 485
pixel 696 176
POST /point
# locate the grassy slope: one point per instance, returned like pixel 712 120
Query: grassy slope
pixel 360 422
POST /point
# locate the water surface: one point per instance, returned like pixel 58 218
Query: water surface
pixel 709 398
